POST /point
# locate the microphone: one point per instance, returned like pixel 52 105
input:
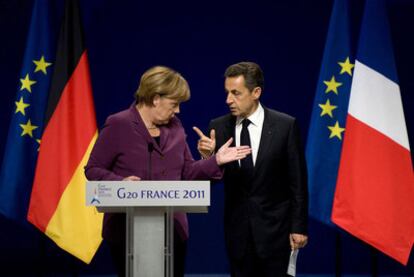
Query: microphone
pixel 150 150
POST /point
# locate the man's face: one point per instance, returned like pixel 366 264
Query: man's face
pixel 240 100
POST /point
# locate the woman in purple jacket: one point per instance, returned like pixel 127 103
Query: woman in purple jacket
pixel 149 127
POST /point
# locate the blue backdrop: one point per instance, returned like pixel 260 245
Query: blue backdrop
pixel 200 39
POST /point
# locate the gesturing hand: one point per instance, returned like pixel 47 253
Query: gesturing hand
pixel 228 154
pixel 206 145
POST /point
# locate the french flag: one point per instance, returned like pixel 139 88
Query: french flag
pixel 374 197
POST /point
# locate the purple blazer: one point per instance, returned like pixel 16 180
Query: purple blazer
pixel 121 150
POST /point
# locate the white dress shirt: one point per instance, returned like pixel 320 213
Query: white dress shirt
pixel 255 130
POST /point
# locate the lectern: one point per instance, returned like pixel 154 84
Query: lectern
pixel 149 208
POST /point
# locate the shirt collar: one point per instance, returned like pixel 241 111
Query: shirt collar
pixel 255 118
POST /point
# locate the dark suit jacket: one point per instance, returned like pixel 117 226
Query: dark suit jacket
pixel 121 150
pixel 273 202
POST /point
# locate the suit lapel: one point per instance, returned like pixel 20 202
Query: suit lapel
pixel 229 132
pixel 266 138
pixel 164 133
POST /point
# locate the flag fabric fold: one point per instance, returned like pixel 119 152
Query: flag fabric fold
pixel 26 125
pixel 57 204
pixel 327 123
pixel 51 134
pixel 374 197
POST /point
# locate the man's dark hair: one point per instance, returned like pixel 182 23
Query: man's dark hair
pixel 252 73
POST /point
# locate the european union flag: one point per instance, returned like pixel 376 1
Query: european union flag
pixel 327 126
pixel 26 125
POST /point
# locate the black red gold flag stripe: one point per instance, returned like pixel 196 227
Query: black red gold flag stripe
pixel 57 204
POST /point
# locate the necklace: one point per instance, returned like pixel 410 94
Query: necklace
pixel 152 128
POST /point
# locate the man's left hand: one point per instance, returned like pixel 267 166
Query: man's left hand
pixel 298 241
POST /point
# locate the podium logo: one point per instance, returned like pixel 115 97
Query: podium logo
pixel 95 198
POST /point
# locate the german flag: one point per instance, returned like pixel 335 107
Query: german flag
pixel 57 204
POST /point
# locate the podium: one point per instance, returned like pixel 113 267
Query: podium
pixel 149 208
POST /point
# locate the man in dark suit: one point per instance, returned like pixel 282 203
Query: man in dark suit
pixel 266 198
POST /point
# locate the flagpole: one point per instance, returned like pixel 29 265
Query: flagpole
pixel 338 254
pixel 374 261
pixel 40 267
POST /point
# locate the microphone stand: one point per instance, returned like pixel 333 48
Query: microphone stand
pixel 150 150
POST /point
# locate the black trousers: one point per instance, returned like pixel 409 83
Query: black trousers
pixel 180 249
pixel 251 265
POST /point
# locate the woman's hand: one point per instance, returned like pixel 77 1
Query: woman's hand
pixel 206 145
pixel 228 154
pixel 131 178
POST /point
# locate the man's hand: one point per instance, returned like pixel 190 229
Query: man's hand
pixel 131 178
pixel 206 145
pixel 298 241
pixel 228 154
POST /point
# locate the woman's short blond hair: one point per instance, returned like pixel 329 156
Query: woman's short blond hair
pixel 163 81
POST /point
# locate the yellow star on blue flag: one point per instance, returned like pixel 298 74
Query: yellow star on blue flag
pixel 41 65
pixel 27 83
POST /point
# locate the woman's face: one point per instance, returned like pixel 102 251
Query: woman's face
pixel 164 109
